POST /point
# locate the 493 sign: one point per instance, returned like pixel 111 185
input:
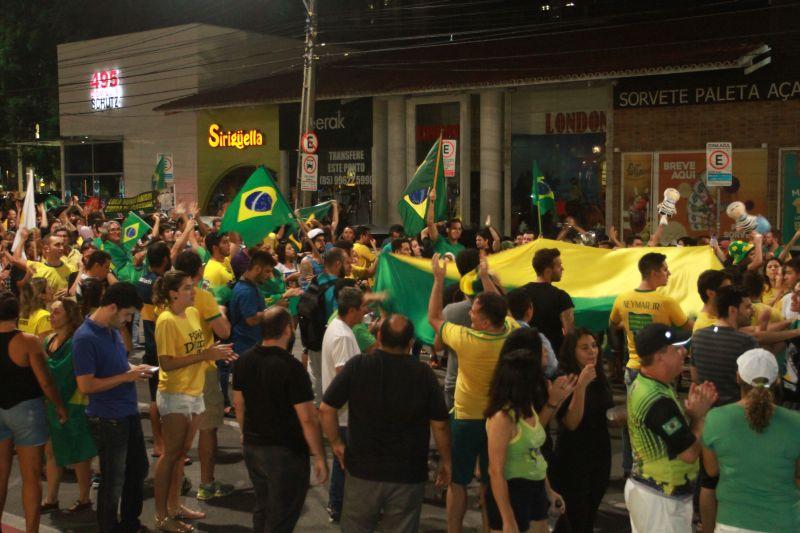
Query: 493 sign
pixel 105 89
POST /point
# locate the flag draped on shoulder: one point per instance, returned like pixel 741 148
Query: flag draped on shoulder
pixel 158 174
pixel 413 204
pixel 542 195
pixel 258 209
pixel 315 212
pixel 133 229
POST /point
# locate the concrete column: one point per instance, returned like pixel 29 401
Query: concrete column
pixel 396 160
pixel 380 200
pixel 284 179
pixel 464 150
pixel 505 229
pixel 491 157
pixel 411 140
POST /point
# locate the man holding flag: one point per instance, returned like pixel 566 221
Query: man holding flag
pixel 541 194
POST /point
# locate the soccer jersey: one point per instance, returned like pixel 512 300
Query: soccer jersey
pixel 636 309
pixel 207 306
pixel 443 246
pixel 704 320
pixel 181 337
pixel 37 323
pixel 56 276
pixel 218 273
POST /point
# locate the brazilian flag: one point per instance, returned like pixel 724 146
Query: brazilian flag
pixel 258 209
pixel 316 212
pixel 133 229
pixel 158 175
pixel 542 195
pixel 413 205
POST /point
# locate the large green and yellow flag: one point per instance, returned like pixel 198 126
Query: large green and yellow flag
pixel 158 174
pixel 315 212
pixel 413 204
pixel 258 209
pixel 592 276
pixel 133 229
pixel 541 194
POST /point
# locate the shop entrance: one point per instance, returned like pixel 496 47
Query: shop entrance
pixel 227 186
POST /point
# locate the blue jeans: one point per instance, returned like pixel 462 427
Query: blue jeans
pixel 123 469
pixel 627 453
pixel 280 481
pixel 336 487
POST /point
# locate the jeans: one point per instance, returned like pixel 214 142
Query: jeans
pixel 627 453
pixel 396 506
pixel 224 379
pixel 336 487
pixel 123 469
pixel 280 479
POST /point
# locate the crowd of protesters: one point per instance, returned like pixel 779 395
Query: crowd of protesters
pixel 526 409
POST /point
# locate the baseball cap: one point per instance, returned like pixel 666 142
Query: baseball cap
pixel 314 233
pixel 756 365
pixel 654 337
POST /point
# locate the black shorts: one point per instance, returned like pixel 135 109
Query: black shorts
pixel 706 481
pixel 528 500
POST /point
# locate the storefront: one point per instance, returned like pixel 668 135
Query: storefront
pixel 662 125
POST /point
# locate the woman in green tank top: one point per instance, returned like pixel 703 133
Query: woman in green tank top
pixel 519 492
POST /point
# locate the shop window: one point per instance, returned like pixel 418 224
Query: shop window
pixel 78 158
pixel 108 157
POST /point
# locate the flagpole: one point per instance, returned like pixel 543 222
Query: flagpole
pixel 436 172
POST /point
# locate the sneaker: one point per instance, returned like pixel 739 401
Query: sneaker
pixel 333 516
pixel 95 481
pixel 215 489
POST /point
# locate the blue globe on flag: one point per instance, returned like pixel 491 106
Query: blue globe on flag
pixel 258 201
pixel 130 232
pixel 418 196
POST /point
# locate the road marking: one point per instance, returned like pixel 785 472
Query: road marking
pixel 17 523
pixel 144 408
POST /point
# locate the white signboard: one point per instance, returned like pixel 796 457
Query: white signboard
pixel 310 171
pixel 719 164
pixel 105 89
pixel 449 157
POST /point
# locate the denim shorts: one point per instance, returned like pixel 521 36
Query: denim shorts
pixel 175 403
pixel 26 423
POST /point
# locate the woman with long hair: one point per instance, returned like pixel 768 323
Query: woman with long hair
pixel 71 443
pixel 774 289
pixel 753 445
pixel 34 318
pixel 183 355
pixel 519 492
pixel 583 450
pixel 287 262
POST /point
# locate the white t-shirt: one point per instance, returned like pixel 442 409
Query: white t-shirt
pixel 786 308
pixel 339 345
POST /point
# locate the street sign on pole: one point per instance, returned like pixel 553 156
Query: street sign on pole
pixel 449 157
pixel 309 142
pixel 719 164
pixel 309 172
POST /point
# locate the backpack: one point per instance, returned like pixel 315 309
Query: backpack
pixel 312 315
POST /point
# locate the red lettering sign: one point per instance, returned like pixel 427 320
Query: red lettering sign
pixel 575 122
pixel 430 133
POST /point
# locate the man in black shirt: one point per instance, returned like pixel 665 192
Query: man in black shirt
pixel 392 402
pixel 275 409
pixel 553 310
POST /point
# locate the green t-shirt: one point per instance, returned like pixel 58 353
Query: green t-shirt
pixel 364 338
pixel 756 487
pixel 659 433
pixel 442 245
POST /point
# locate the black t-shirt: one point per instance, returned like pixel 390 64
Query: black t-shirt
pixel 391 400
pixel 590 441
pixel 272 382
pixel 548 304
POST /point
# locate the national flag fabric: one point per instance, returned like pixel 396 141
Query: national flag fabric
pixel 541 193
pixel 408 280
pixel 413 204
pixel 133 229
pixel 158 174
pixel 315 212
pixel 258 209
pixel 27 218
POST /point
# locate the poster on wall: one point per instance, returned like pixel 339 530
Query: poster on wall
pixel 637 177
pixel 790 203
pixel 697 210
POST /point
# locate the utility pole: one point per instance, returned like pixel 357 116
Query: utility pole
pixel 309 94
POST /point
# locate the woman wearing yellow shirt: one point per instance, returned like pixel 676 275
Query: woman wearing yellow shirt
pixel 182 354
pixel 773 288
pixel 34 318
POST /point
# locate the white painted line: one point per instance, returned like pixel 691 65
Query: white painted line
pixel 144 408
pixel 18 522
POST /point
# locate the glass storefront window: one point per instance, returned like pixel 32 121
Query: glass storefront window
pixel 94 169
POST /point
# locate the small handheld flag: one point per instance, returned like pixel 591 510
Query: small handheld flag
pixel 133 229
pixel 413 204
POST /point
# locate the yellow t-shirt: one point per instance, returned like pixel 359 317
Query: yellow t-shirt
pixel 477 353
pixel 36 324
pixel 207 306
pixel 57 277
pixel 218 273
pixel 636 309
pixel 73 258
pixel 758 308
pixel 181 337
pixel 704 320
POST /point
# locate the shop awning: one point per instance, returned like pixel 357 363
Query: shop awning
pixel 694 44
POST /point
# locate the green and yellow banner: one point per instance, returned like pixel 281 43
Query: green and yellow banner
pixel 593 277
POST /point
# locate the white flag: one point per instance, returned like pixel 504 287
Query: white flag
pixel 27 218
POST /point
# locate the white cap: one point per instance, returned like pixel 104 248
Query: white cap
pixel 757 365
pixel 314 233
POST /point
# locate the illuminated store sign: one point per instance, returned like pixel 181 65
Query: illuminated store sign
pixel 105 89
pixel 219 138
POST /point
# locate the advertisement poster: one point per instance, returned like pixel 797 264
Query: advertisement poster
pixel 686 172
pixel 790 180
pixel 637 176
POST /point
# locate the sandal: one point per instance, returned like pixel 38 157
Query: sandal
pixel 184 513
pixel 171 525
pixel 79 506
pixel 49 506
